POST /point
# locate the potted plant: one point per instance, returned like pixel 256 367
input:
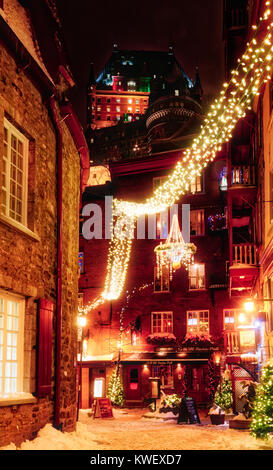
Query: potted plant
pixel 217 415
pixel 244 419
pixel 223 399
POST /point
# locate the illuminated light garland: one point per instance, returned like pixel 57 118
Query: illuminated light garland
pixel 254 68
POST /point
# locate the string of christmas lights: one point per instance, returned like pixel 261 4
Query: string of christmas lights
pixel 254 68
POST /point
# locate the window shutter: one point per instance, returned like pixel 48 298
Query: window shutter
pixel 44 353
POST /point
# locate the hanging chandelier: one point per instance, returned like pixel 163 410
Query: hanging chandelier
pixel 174 252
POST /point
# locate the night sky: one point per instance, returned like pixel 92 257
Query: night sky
pixel 193 27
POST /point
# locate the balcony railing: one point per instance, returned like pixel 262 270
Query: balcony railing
pixel 243 175
pixel 231 342
pixel 245 254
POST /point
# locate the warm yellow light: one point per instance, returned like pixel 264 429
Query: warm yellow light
pixel 234 100
pixel 98 388
pixel 249 306
pixel 242 318
pixel 82 320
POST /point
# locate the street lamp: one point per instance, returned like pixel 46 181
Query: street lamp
pixel 249 306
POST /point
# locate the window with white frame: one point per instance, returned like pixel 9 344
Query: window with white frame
pixel 11 343
pixel 159 181
pixel 197 277
pixel 165 373
pixel 162 322
pixel 197 222
pixel 162 279
pixel 231 318
pixel 198 321
pixel 197 184
pixel 14 174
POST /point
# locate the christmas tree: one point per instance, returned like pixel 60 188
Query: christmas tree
pixel 223 395
pixel 115 389
pixel 262 415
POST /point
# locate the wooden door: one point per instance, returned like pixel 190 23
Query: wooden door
pixel 133 388
pixel 197 380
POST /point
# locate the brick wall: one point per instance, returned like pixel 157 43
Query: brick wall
pixel 28 264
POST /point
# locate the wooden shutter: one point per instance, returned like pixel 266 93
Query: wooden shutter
pixel 44 352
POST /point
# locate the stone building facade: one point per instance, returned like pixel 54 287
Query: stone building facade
pixel 41 169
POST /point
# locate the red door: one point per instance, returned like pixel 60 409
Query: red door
pixel 133 374
pixel 197 383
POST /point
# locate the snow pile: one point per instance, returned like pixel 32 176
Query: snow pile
pixel 158 415
pixel 130 431
pixel 50 438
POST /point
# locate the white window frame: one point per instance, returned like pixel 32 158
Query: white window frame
pixel 191 276
pixel 170 314
pixel 197 312
pixel 159 181
pixel 199 223
pixel 236 312
pixel 196 184
pixel 20 343
pixel 12 130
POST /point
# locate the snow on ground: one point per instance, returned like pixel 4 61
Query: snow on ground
pixel 130 430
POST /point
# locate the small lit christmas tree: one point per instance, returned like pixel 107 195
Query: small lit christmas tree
pixel 223 395
pixel 115 389
pixel 262 415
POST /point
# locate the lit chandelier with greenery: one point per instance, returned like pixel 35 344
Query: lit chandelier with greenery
pixel 174 251
pixel 253 70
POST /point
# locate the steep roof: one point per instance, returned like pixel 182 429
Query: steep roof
pixel 131 63
pixel 16 16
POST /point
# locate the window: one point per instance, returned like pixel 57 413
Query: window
pixel 197 184
pixel 81 262
pixel 162 322
pixel 137 101
pixel 14 175
pixel 130 109
pixel 108 110
pixel 223 180
pixel 108 100
pixel 197 276
pixel 158 181
pixel 165 373
pixel 232 318
pixel 98 108
pixel 198 321
pixel 271 196
pixel 118 109
pixel 118 117
pixel 99 100
pixel 162 280
pixel 11 343
pixel 108 118
pixel 130 101
pixel 197 225
pixel 229 319
pixel 161 225
pixel 176 92
pixel 118 100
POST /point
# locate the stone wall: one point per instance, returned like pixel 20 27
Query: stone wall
pixel 28 259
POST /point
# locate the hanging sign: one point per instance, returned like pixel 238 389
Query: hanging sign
pixel 103 408
pixel 188 412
